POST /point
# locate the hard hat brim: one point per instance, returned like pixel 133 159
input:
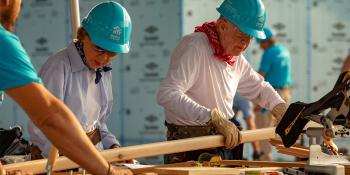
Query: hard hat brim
pixel 111 46
pixel 253 32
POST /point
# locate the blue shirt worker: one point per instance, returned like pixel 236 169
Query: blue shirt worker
pixel 19 80
pixel 275 67
pixel 275 64
pixel 80 75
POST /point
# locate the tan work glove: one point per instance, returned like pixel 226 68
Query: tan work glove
pixel 278 111
pixel 226 128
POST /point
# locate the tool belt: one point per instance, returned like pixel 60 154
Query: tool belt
pixel 176 132
pixel 181 132
pixel 93 135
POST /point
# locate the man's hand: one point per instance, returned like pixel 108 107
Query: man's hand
pixel 278 111
pixel 226 128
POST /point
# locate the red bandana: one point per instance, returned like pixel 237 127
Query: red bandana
pixel 209 29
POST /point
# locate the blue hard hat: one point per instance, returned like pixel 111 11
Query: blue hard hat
pixel 248 15
pixel 269 34
pixel 109 27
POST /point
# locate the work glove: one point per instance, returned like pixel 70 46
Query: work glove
pixel 278 111
pixel 226 128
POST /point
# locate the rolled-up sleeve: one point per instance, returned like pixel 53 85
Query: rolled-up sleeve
pixel 107 138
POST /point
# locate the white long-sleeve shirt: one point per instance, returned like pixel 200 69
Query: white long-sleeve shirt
pixel 197 82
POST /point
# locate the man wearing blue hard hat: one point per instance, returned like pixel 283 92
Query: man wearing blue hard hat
pixel 80 75
pixel 275 67
pixel 207 68
pixel 18 78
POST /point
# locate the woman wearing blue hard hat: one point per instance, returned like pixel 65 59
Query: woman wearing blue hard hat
pixel 207 68
pixel 80 75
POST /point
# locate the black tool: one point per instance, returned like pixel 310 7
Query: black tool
pixel 298 114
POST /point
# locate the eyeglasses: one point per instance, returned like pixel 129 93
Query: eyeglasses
pixel 99 50
pixel 242 34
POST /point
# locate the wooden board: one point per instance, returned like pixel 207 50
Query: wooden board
pixel 147 150
pixel 151 169
pixel 347 169
pixel 262 163
pixel 293 152
pixel 209 170
pixel 276 142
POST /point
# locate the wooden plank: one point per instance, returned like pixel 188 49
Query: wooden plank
pixel 262 163
pixel 293 154
pixel 347 169
pixel 151 169
pixel 210 170
pixel 294 149
pixel 298 151
pixel 196 171
pixel 276 142
pixel 258 135
pixel 147 150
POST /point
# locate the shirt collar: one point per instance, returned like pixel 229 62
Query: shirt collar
pixel 74 58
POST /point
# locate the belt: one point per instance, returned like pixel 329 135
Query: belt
pixel 180 132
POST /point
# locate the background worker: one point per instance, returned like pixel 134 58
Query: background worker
pixel 242 104
pixel 19 80
pixel 80 75
pixel 206 69
pixel 275 67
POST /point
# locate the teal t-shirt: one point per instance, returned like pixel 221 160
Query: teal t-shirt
pixel 276 65
pixel 16 68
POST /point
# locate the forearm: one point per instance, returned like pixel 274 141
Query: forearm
pixel 258 91
pixel 59 125
pixel 268 97
pixel 64 131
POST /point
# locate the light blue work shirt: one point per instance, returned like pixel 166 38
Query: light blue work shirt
pixel 66 76
pixel 16 68
pixel 276 65
pixel 242 104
